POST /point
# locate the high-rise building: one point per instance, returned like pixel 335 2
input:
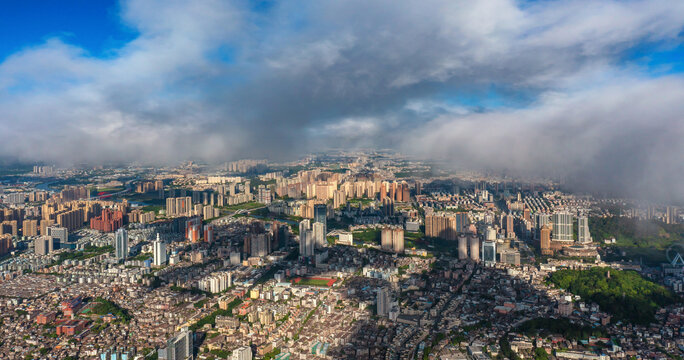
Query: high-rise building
pixel 383 302
pixel 29 227
pixel 392 239
pixel 242 353
pixel 43 245
pixel 489 252
pixel 6 244
pixel 109 221
pixel 508 226
pixel 545 240
pixel 510 257
pixel 583 235
pixel 540 219
pixel 562 226
pixel 179 206
pixel 178 347
pixel 159 250
pixel 121 244
pixel 339 198
pixel 321 215
pixel 462 247
pixel 490 234
pixel 445 225
pixel 670 215
pixel 387 207
pixel 209 233
pixel 306 240
pixel 474 248
pixel 319 234
pixel 59 234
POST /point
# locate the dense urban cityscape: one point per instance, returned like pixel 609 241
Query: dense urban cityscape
pixel 347 180
pixel 348 255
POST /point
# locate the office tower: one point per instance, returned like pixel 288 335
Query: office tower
pixel 650 212
pixel 159 250
pixel 59 234
pixel 474 248
pixel 121 244
pixel 319 235
pixel 562 226
pixel 43 245
pixel 382 302
pixel 545 240
pixel 489 252
pixel 583 235
pixel 462 247
pixel 320 215
pixel 178 347
pixel 242 353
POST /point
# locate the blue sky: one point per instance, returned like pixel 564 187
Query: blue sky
pixel 93 25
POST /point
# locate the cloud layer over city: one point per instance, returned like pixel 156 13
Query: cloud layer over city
pixel 552 88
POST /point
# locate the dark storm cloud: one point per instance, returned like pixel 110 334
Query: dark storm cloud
pixel 215 80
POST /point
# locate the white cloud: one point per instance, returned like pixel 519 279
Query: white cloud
pixel 352 73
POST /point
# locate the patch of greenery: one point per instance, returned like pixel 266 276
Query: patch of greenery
pixel 104 307
pixel 223 354
pixel 200 303
pixel 547 326
pixel 87 253
pixel 369 236
pixel 272 354
pixel 313 282
pixel 506 350
pixel 540 354
pixel 625 294
pixel 243 206
pixel 154 208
